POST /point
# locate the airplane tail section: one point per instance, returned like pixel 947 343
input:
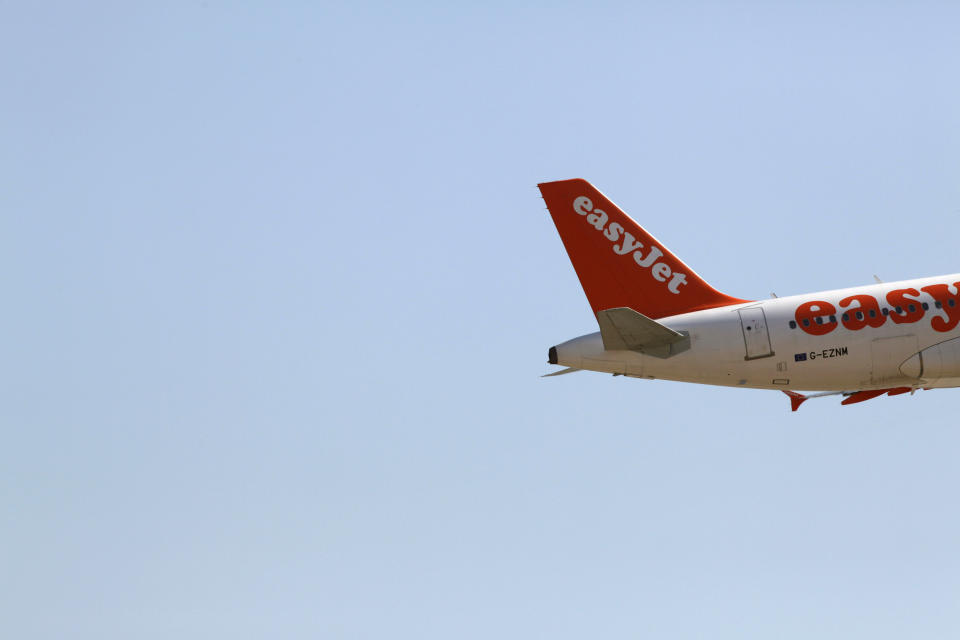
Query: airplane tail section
pixel 619 264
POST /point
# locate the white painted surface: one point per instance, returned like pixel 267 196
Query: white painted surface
pixel 871 357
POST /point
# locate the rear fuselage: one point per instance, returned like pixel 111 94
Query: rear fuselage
pixel 871 337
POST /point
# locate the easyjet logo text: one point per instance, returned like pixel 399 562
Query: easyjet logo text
pixel 623 243
pixel 906 306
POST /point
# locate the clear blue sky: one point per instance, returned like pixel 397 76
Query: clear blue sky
pixel 278 287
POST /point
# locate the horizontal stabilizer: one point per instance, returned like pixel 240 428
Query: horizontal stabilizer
pixel 561 372
pixel 625 329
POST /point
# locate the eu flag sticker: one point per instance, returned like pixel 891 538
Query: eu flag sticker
pixel 799 357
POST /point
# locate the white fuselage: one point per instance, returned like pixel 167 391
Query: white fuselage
pixel 764 344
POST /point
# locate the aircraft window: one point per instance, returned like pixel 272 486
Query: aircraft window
pixel 912 308
pixel 793 324
pixel 886 311
pixel 845 317
pixel 819 319
pixel 899 309
pixel 951 302
pixel 833 319
pixel 806 322
pixel 859 315
pixel 873 313
pixel 925 306
pixel 938 304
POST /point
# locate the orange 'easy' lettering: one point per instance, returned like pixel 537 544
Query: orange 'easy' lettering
pixel 809 311
pixel 869 310
pixel 941 293
pixel 898 298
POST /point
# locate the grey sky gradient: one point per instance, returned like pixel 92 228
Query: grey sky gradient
pixel 279 286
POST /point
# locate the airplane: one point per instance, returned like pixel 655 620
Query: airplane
pixel 658 319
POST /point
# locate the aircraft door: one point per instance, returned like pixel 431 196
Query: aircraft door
pixel 756 337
